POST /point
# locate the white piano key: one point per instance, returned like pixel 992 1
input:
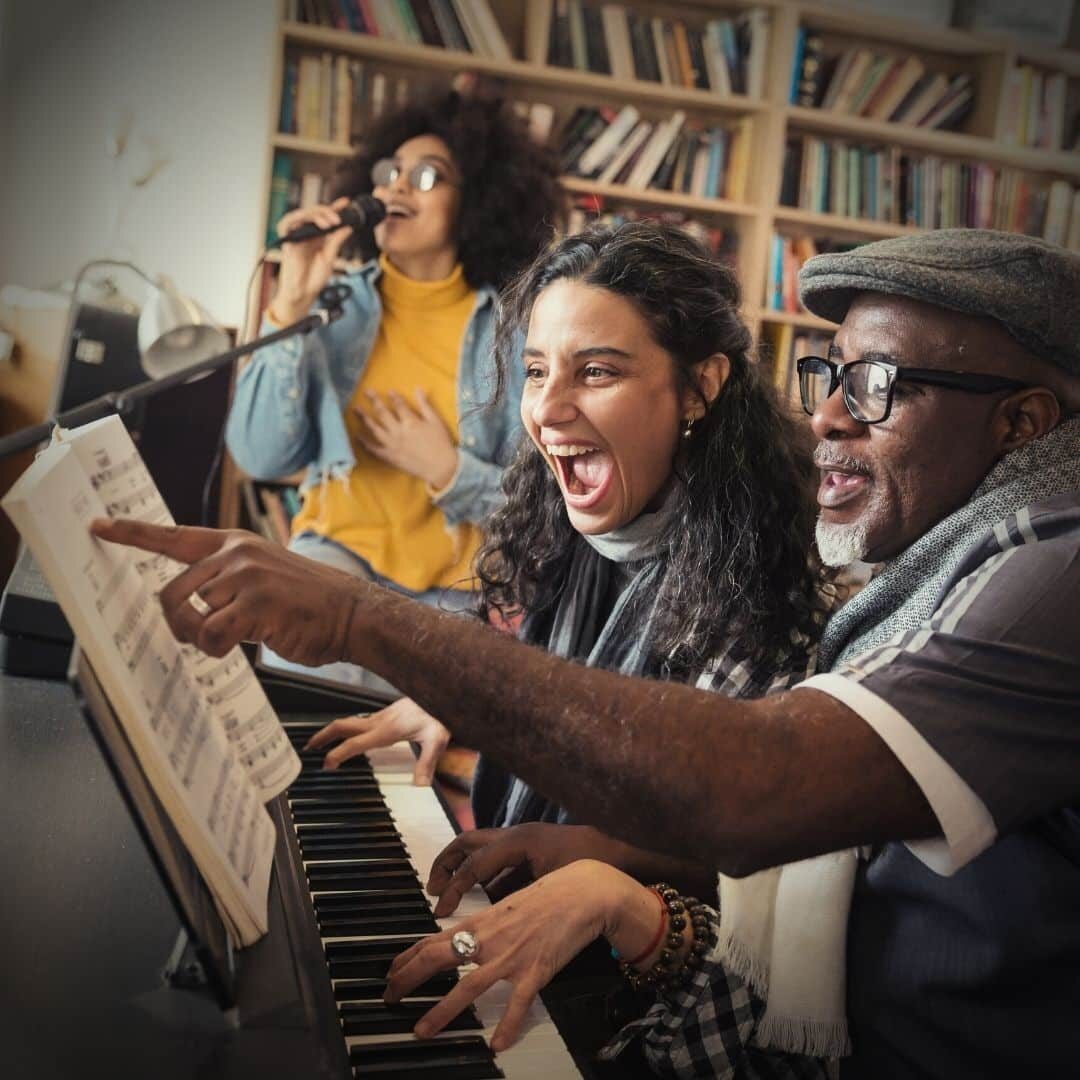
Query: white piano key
pixel 539 1053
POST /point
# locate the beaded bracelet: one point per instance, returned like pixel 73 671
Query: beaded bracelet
pixel 666 974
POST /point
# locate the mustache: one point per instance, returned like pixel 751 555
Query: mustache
pixel 827 456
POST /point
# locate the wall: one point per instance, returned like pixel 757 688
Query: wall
pixel 188 82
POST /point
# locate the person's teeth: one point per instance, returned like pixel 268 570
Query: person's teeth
pixel 568 449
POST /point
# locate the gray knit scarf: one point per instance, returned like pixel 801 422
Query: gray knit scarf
pixel 908 589
pixel 586 626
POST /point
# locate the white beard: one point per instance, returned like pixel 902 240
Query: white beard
pixel 839 545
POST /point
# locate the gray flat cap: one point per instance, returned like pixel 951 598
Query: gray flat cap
pixel 1029 286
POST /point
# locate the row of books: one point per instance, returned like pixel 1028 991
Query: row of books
pixel 586 211
pixel 724 55
pixel 619 147
pixel 465 25
pixel 319 93
pixel 1033 110
pixel 891 185
pixel 336 103
pixel 860 82
pixel 786 257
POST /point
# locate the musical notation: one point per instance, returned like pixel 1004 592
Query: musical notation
pixel 107 472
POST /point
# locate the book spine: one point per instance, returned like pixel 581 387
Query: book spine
pixel 343 98
pixel 425 20
pixel 562 53
pixel 450 29
pixel 682 52
pixel 595 42
pixel 287 114
pixel 280 179
pixel 719 72
pixel 576 22
pixel 696 43
pixel 538 16
pixel 812 72
pixel 796 65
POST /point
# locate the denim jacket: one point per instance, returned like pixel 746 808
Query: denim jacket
pixel 290 401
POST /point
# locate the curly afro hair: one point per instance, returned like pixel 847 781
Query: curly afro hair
pixel 511 201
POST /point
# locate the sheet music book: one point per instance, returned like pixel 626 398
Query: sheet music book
pixel 205 734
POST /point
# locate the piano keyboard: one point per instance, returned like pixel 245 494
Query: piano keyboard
pixel 368 838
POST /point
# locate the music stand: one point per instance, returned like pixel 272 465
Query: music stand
pixel 207 962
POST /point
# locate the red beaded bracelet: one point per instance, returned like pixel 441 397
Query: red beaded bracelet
pixel 659 931
pixel 664 975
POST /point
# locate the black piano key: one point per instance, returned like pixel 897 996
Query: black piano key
pixel 352 849
pixel 371 900
pixel 365 959
pixel 362 832
pixel 460 1057
pixel 347 830
pixel 341 775
pixel 350 877
pixel 377 1018
pixel 338 799
pixel 378 925
pixel 335 799
pixel 312 760
pixel 373 989
pixel 329 815
pixel 318 785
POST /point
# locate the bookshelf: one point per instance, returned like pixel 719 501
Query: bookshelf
pixel 981 137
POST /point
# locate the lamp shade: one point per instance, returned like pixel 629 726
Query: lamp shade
pixel 175 332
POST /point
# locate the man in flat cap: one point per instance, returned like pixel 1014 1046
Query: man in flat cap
pixel 941 739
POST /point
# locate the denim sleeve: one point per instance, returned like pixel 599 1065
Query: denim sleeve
pixel 476 488
pixel 269 431
pixel 474 492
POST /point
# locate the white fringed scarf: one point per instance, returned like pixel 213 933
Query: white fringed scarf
pixel 784 930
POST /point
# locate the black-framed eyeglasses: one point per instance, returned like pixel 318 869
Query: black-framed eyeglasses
pixel 868 385
pixel 421 177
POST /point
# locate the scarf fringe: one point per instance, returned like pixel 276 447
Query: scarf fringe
pixel 814 1038
pixel 738 958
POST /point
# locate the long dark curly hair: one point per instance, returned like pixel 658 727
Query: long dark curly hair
pixel 511 201
pixel 740 559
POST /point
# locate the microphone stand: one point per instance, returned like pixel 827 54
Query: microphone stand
pixel 119 401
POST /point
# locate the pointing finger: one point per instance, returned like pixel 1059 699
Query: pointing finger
pixel 185 543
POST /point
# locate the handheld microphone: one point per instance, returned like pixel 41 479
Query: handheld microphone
pixel 364 210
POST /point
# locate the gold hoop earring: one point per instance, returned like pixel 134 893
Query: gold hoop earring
pixel 688 430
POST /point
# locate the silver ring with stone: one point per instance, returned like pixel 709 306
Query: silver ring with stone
pixel 199 604
pixel 465 945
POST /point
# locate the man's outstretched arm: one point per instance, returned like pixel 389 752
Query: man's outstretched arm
pixel 737 785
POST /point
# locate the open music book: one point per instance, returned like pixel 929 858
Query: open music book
pixel 205 735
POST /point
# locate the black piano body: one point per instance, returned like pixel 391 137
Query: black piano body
pixel 87 928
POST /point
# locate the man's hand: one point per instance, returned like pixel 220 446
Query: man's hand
pixel 415 441
pixel 239 587
pixel 403 720
pixel 488 856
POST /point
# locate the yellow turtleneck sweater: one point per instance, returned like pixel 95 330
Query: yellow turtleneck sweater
pixel 383 514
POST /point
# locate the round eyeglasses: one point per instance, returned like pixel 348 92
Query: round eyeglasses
pixel 421 177
pixel 868 385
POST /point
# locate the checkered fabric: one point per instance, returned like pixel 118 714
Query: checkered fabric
pixel 705 1029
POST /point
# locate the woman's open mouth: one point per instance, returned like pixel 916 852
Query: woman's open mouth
pixel 584 471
